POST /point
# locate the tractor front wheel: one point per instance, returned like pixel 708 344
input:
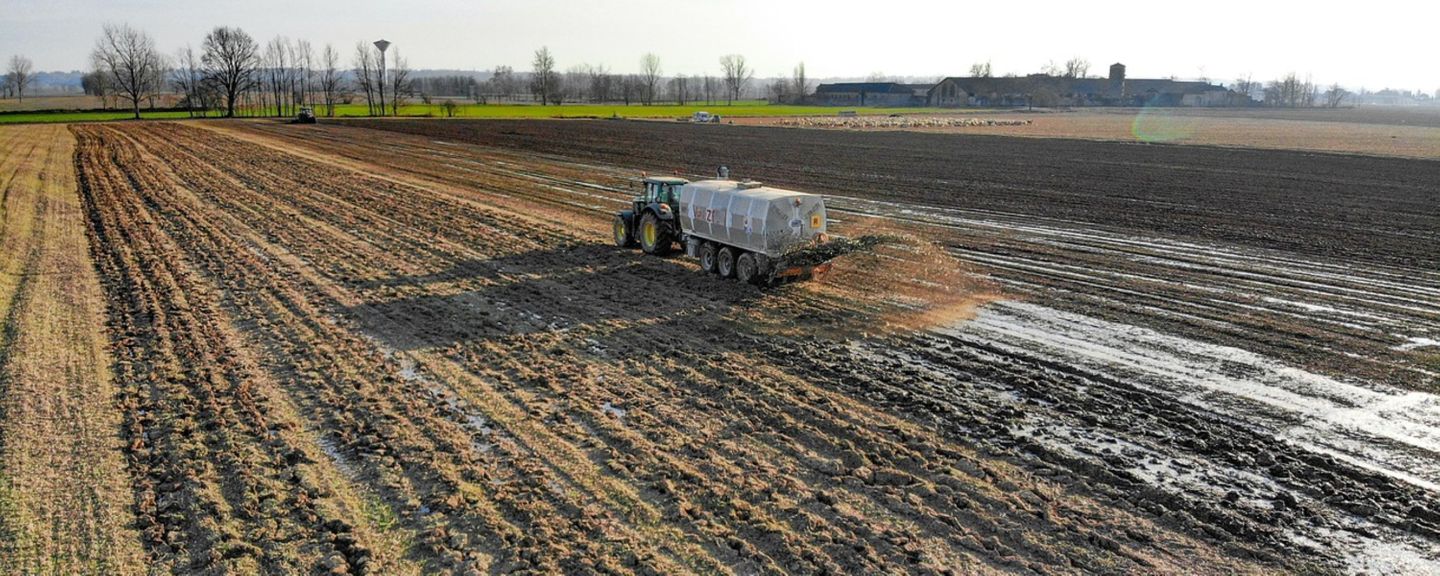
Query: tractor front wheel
pixel 725 263
pixel 623 238
pixel 654 237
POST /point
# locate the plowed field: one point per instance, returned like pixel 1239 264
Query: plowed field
pixel 342 350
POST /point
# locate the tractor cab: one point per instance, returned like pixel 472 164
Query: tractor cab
pixel 650 221
pixel 659 191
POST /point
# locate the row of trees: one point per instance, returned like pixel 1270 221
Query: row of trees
pixel 232 72
pixel 546 84
pixel 1289 92
pixel 1076 67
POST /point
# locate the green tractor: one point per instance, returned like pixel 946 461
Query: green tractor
pixel 650 221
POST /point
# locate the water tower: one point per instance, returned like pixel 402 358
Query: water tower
pixel 1117 73
pixel 382 44
pixel 1117 80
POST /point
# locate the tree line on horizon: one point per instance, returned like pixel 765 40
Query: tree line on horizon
pixel 232 74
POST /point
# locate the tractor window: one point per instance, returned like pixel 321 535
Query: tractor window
pixel 664 195
pixel 650 193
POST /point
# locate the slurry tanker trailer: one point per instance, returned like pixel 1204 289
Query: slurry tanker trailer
pixel 737 229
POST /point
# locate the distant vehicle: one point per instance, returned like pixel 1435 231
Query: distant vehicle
pixel 704 117
pixel 306 116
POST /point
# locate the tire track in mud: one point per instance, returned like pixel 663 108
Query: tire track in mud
pixel 440 489
pixel 516 391
pixel 224 477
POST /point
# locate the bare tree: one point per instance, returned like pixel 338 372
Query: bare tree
pixel 503 82
pixel 630 88
pixel 330 78
pixel 1290 92
pixel 1077 67
pixel 230 59
pixel 575 83
pixel 399 76
pixel 1335 96
pixel 601 84
pixel 543 80
pixel 19 75
pixel 1244 89
pixel 680 88
pixel 97 83
pixel 737 76
pixel 160 76
pixel 276 64
pixel 801 84
pixel 981 70
pixel 305 62
pixel 366 77
pixel 650 76
pixel 129 57
pixel 778 91
pixel 709 86
pixel 187 77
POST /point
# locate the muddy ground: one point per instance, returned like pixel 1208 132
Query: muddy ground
pixel 1276 336
pixel 345 350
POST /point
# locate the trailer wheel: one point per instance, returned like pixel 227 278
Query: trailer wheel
pixel 725 264
pixel 746 270
pixel 623 238
pixel 654 238
pixel 708 257
pixel 763 269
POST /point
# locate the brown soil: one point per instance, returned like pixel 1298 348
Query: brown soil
pixel 1369 131
pixel 387 366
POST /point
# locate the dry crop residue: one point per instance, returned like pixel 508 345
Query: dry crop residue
pixel 64 506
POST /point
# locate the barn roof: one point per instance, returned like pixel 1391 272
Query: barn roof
pixel 868 87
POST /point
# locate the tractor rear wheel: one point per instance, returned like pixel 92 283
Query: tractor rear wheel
pixel 725 263
pixel 745 269
pixel 708 257
pixel 623 238
pixel 654 236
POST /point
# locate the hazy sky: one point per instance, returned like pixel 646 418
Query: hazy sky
pixel 1371 44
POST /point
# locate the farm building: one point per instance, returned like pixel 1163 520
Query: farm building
pixel 1045 90
pixel 1035 89
pixel 891 94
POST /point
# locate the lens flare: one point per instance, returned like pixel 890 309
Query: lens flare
pixel 1161 124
